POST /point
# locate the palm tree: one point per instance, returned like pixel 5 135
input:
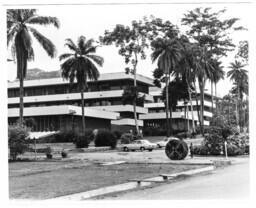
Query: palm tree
pixel 240 78
pixel 167 52
pixel 202 69
pixel 80 65
pixel 216 75
pixel 20 33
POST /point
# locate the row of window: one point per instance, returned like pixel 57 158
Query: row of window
pixel 65 88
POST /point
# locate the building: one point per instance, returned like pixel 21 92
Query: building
pixel 55 105
pixel 182 116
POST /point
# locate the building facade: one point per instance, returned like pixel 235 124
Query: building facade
pixel 55 105
pixel 181 117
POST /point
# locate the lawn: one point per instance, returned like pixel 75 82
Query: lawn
pixel 46 179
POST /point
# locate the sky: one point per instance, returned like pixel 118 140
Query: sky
pixel 92 20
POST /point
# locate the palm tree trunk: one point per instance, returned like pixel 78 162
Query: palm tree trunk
pixel 191 105
pixel 167 105
pixel 237 108
pixel 197 109
pixel 82 106
pixel 171 130
pixel 21 98
pixel 216 100
pixel 212 94
pixel 201 86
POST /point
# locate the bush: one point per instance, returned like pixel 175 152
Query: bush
pixel 126 138
pixel 83 140
pixel 16 140
pixel 65 136
pixel 64 154
pixel 105 138
pixel 48 152
pixel 200 150
pixel 117 134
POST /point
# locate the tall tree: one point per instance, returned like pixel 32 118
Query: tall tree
pixel 132 42
pixel 240 77
pixel 20 33
pixel 81 65
pixel 211 33
pixel 167 53
pixel 177 91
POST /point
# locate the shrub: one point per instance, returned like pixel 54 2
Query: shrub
pixel 64 154
pixel 117 134
pixel 126 138
pixel 48 152
pixel 16 140
pixel 200 150
pixel 105 138
pixel 81 141
pixel 65 136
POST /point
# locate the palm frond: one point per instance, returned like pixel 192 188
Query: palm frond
pixel 42 20
pixel 71 45
pixel 12 31
pixel 65 55
pixel 97 59
pixel 45 42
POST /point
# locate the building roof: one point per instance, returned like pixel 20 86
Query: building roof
pixel 60 80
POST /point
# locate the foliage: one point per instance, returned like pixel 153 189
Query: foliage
pixel 20 33
pixel 127 138
pixel 65 136
pixel 243 51
pixel 131 95
pixel 213 144
pixel 117 134
pixel 16 140
pixel 48 152
pixel 80 65
pixel 105 138
pixel 64 154
pixel 83 140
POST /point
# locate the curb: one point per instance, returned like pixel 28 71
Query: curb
pixel 131 185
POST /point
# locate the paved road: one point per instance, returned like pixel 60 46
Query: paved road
pixel 231 182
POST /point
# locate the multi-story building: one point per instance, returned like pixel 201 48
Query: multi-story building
pixel 55 105
pixel 182 116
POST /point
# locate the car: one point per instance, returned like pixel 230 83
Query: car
pixel 142 145
pixel 163 143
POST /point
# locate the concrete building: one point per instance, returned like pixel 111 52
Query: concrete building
pixel 182 116
pixel 55 105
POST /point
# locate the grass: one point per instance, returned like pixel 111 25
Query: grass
pixel 42 180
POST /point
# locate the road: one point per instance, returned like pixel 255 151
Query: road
pixel 231 182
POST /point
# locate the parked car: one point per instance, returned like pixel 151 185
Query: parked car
pixel 163 143
pixel 139 145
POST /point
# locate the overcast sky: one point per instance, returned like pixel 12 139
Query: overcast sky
pixel 92 20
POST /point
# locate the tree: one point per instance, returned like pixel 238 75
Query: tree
pixel 178 90
pixel 216 75
pixel 211 33
pixel 243 51
pixel 81 65
pixel 167 53
pixel 132 42
pixel 240 78
pixel 20 33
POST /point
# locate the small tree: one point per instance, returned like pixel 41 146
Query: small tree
pixel 16 140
